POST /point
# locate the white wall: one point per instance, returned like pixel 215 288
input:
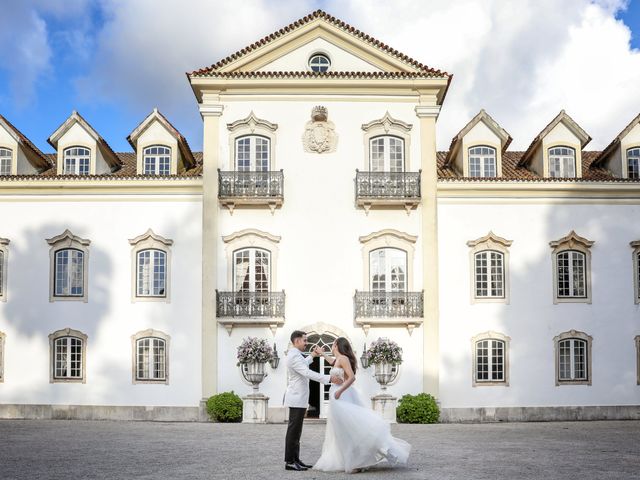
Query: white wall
pixel 109 318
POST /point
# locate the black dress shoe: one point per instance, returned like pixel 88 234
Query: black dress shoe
pixel 302 464
pixel 294 466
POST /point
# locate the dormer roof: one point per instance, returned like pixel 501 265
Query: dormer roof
pixel 568 122
pixel 484 117
pixel 156 116
pixel 600 160
pixel 109 155
pixel 33 153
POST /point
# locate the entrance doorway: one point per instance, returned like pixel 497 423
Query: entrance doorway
pixel 319 393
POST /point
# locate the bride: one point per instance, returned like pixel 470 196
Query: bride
pixel 356 436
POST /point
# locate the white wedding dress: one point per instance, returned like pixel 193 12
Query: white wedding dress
pixel 356 436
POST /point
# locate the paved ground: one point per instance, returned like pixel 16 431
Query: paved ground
pixel 35 449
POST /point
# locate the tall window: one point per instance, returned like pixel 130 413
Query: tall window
pixel 490 360
pixel 562 162
pixel 386 154
pixel 571 271
pixel 573 358
pixel 252 153
pixel 251 270
pixel 489 274
pixel 151 273
pixel 69 273
pixel 157 160
pixel 388 270
pixel 150 359
pixel 76 161
pixel 633 163
pixel 5 161
pixel 68 356
pixel 482 162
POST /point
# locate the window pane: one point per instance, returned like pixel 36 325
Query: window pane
pixel 482 162
pixel 69 273
pixel 76 161
pixel 482 360
pixel 633 163
pixel 5 161
pixel 562 162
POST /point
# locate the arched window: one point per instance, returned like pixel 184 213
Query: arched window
pixel 482 162
pixel 562 162
pixel 573 358
pixel 252 153
pixel 571 271
pixel 69 273
pixel 150 357
pixel 319 63
pixel 251 270
pixel 388 270
pixel 76 161
pixel 489 274
pixel 386 154
pixel 68 356
pixel 157 160
pixel 151 273
pixel 490 359
pixel 633 163
pixel 6 156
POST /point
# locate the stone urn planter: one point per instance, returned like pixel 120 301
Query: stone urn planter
pixel 253 355
pixel 255 373
pixel 383 354
pixel 383 374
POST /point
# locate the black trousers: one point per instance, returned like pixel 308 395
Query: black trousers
pixel 294 430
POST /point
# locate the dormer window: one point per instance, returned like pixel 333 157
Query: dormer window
pixel 633 163
pixel 387 154
pixel 157 160
pixel 562 162
pixel 319 63
pixel 482 162
pixel 5 161
pixel 76 161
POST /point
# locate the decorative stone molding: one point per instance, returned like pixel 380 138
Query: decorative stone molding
pixel 635 258
pixel 150 241
pixel 63 241
pixel 387 123
pixel 427 111
pixel 490 335
pixel 319 133
pixel 565 336
pixel 149 333
pixel 251 234
pixel 67 332
pixel 252 123
pixel 490 242
pixel 575 242
pixel 4 267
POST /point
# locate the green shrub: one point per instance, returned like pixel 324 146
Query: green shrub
pixel 225 407
pixel 421 408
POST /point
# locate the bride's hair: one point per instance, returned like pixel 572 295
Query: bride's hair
pixel 344 347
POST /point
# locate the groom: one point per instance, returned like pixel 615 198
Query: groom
pixel 297 396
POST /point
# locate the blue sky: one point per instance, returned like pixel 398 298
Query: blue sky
pixel 101 58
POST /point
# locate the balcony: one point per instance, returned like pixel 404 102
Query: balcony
pixel 388 309
pixel 236 309
pixel 251 188
pixel 387 189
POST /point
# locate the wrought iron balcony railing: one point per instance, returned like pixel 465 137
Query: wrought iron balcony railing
pixel 388 185
pixel 237 184
pixel 388 304
pixel 250 304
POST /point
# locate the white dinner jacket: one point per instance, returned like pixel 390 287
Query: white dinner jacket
pixel 297 394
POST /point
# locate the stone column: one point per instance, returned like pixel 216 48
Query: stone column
pixel 211 113
pixel 428 113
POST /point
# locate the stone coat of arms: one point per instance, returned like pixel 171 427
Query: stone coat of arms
pixel 319 133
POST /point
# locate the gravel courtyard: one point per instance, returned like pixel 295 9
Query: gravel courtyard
pixel 34 449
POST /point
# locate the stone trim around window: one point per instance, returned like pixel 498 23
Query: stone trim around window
pixel 572 241
pixel 387 126
pixel 252 238
pixel 565 336
pixel 637 341
pixel 251 125
pixel 635 258
pixel 149 333
pixel 67 332
pixel 387 238
pixel 2 340
pixel 150 241
pixel 61 242
pixel 490 335
pixel 490 242
pixel 4 250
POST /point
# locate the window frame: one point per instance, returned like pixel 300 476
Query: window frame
pixel 386 160
pixel 387 238
pixel 575 161
pixel 3 337
pixel 635 260
pixel 257 239
pixel 490 336
pixel 310 65
pixel 150 241
pixel 482 157
pixel 77 158
pixel 157 157
pixel 149 334
pixel 388 270
pixel 573 335
pixel 387 126
pixel 637 343
pixel 4 268
pixel 10 158
pixel 571 242
pixel 252 269
pixel 489 243
pixel 68 241
pixel 252 152
pixel 627 161
pixel 67 333
pixel 252 125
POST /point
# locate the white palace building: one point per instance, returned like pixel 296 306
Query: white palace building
pixel 510 279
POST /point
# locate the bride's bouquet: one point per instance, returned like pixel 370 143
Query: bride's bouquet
pixel 253 349
pixel 384 350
